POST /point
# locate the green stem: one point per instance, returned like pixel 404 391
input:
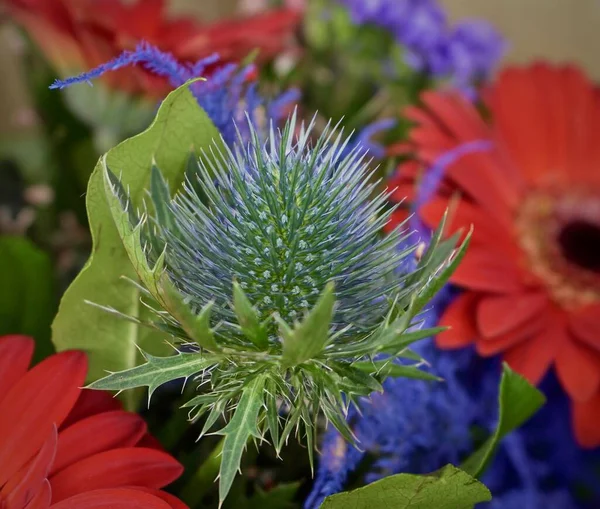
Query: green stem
pixel 204 478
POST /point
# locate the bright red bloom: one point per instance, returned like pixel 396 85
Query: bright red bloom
pixel 531 276
pixel 76 35
pixel 62 447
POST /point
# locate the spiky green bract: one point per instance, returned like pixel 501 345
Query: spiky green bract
pixel 270 266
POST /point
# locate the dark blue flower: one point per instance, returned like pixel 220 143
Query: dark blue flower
pixel 463 54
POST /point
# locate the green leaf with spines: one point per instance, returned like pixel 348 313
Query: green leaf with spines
pixel 310 336
pixel 161 196
pixel 387 369
pixel 155 372
pixel 248 319
pixel 241 427
pixel 449 488
pixel 518 400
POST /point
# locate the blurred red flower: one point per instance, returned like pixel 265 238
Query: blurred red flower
pixel 76 35
pixel 531 276
pixel 62 447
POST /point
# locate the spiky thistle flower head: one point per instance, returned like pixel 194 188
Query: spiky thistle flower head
pixel 282 220
pixel 269 263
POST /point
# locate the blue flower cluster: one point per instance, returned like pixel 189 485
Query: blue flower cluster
pixel 463 53
pixel 418 427
pixel 227 96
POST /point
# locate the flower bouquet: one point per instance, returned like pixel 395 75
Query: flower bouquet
pixel 332 261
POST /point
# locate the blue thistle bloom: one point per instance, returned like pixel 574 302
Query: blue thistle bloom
pixel 282 221
pixel 225 96
pixel 269 265
pixel 464 54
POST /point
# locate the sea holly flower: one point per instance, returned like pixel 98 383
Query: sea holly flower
pixel 283 301
pixel 531 280
pixel 62 447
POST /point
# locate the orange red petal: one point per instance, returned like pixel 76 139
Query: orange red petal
pixel 459 317
pixel 499 314
pixel 111 430
pixel 586 416
pixel 15 355
pixel 112 498
pixel 115 468
pixel 42 398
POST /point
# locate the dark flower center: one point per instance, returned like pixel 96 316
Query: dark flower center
pixel 559 232
pixel 580 244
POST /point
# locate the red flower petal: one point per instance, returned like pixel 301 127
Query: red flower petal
pixel 586 416
pixel 533 358
pixel 91 402
pixel 491 346
pixel 578 369
pixel 40 399
pixel 42 498
pixel 464 214
pixel 24 486
pixel 459 316
pixel 15 356
pixel 111 430
pixel 485 269
pixel 499 314
pixel 132 466
pixel 112 499
pixel 585 325
pixel 173 501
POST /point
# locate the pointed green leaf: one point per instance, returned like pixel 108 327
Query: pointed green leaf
pixel 360 377
pixel 197 326
pixel 111 343
pixel 442 278
pixel 272 410
pixel 388 369
pixel 155 372
pixel 242 426
pixel 518 400
pixel 310 337
pixel 248 319
pixel 449 488
pixel 161 197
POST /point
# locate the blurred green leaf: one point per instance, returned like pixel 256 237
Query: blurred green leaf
pixel 27 298
pixel 181 126
pixel 448 488
pixel 518 401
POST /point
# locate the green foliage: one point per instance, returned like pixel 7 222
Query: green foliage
pixel 242 425
pixel 112 343
pixel 449 488
pixel 518 400
pixel 27 298
pixel 308 339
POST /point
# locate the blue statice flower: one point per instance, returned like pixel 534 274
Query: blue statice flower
pixel 465 53
pixel 227 96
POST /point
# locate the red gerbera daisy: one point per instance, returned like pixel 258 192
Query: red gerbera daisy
pixel 531 276
pixel 76 35
pixel 66 448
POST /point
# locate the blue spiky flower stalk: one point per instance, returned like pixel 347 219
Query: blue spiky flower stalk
pixel 269 266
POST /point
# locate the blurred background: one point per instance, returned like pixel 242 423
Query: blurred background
pixel 559 30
